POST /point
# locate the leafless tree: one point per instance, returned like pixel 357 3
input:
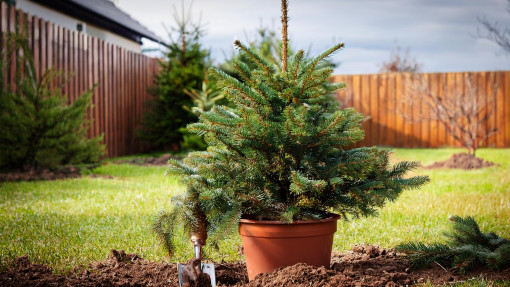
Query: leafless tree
pixel 491 30
pixel 463 113
pixel 400 62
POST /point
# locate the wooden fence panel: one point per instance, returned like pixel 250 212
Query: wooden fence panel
pixel 380 96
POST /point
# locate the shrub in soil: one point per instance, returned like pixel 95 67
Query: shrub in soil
pixel 40 130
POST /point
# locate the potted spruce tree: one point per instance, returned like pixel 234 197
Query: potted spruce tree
pixel 280 159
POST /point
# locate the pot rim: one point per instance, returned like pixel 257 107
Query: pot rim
pixel 331 217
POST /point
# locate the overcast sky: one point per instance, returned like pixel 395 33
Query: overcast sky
pixel 440 34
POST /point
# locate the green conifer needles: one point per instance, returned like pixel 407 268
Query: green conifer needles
pixel 466 247
pixel 281 153
pixel 40 129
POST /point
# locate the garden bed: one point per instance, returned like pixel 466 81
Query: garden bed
pixel 364 265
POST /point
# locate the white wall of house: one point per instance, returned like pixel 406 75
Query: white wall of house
pixel 72 24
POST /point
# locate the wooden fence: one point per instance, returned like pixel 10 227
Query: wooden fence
pixel 120 77
pixel 379 96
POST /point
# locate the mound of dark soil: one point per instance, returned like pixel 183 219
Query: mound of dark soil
pixel 364 265
pixel 461 161
pixel 147 161
pixel 31 174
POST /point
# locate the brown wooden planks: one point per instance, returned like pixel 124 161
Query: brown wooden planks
pixel 365 110
pixel 423 138
pixel 374 110
pixel 382 109
pixel 433 125
pixel 391 112
pixel 500 111
pixel 505 86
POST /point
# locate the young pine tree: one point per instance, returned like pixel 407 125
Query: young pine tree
pixel 39 128
pixel 183 69
pixel 281 153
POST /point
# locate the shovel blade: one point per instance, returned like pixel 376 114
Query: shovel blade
pixel 209 269
pixel 187 274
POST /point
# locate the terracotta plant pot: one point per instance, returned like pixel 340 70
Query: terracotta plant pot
pixel 272 244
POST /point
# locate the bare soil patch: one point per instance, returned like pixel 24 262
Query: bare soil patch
pixel 147 161
pixel 364 265
pixel 461 161
pixel 31 174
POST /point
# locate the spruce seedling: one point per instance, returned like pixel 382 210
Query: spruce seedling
pixel 282 152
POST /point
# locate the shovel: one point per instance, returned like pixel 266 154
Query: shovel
pixel 193 272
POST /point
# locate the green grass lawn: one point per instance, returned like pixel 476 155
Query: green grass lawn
pixel 71 222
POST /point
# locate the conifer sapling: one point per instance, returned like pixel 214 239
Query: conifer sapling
pixel 282 152
pixel 40 129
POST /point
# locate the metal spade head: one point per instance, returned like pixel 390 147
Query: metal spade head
pixel 190 274
pixel 193 272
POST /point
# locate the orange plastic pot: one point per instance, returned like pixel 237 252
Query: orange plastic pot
pixel 272 244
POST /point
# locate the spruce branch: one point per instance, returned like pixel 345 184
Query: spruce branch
pixel 296 63
pixel 315 61
pixel 466 246
pixel 255 58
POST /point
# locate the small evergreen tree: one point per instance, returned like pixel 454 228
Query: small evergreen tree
pixel 183 69
pixel 466 247
pixel 39 128
pixel 203 100
pixel 281 152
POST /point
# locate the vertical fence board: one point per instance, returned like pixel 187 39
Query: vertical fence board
pixel 433 127
pixel 506 87
pixel 481 82
pixel 492 99
pixel 399 127
pixel 35 46
pixel 424 137
pixel 356 94
pixel 365 109
pixel 500 112
pixel 12 29
pixel 391 111
pixel 408 110
pixel 374 109
pixel 382 105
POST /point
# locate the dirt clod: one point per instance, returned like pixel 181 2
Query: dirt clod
pixel 364 265
pixel 461 161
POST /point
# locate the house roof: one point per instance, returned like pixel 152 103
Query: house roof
pixel 105 14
